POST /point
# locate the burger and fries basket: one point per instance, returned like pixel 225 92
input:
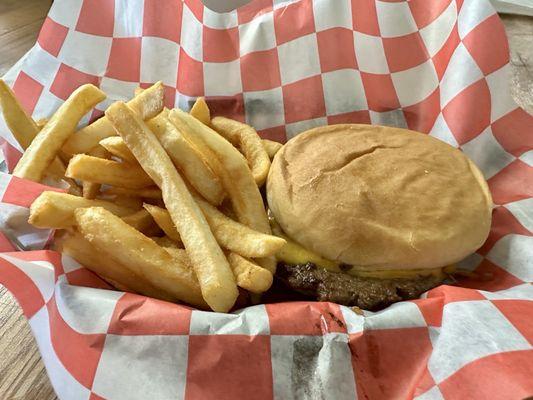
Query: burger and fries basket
pixel 439 67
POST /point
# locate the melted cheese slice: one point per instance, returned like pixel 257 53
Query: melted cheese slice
pixel 294 253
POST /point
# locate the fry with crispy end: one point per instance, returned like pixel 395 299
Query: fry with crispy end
pixel 114 173
pixel 189 161
pixel 56 210
pixel 44 148
pixel 200 111
pixel 145 193
pixel 147 104
pixel 142 221
pixel 235 175
pixel 116 146
pixel 163 220
pixel 91 189
pixel 271 147
pixel 248 275
pixel 117 240
pixel 119 275
pixel 250 144
pixel 211 266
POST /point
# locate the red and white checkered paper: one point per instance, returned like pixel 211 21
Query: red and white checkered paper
pixel 437 66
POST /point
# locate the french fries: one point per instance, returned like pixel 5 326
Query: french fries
pixel 271 147
pixel 54 210
pixel 250 144
pixel 147 104
pixel 139 152
pixel 163 220
pixel 191 162
pixel 91 189
pixel 119 275
pixel 116 146
pixel 215 277
pixel 98 170
pixel 230 166
pixel 234 173
pixel 117 240
pixel 238 237
pixel 230 234
pixel 44 148
pixel 249 276
pixel 200 111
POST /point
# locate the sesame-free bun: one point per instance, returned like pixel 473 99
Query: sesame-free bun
pixel 378 197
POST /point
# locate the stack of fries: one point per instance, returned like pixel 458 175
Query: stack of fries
pixel 160 202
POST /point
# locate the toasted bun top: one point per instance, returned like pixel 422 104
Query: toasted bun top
pixel 379 197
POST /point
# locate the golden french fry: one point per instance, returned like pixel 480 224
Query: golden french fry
pixel 142 221
pixel 271 147
pixel 22 126
pixel 138 90
pixel 44 148
pixel 116 146
pixel 98 170
pixel 147 104
pixel 145 193
pixel 122 243
pixel 189 161
pixel 56 210
pixel 166 242
pixel 91 189
pixel 235 175
pixel 121 276
pixel 249 276
pixel 211 266
pixel 200 111
pixel 164 221
pixel 250 144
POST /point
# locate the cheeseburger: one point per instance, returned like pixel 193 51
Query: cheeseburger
pixel 373 214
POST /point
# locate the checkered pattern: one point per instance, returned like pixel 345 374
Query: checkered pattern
pixel 439 67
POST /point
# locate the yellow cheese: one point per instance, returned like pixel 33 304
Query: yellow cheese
pixel 293 253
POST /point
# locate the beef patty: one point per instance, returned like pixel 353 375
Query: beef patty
pixel 348 290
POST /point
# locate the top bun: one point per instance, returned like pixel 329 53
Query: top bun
pixel 378 197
